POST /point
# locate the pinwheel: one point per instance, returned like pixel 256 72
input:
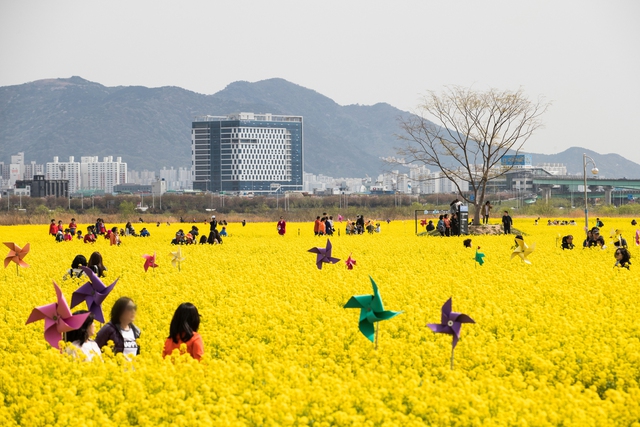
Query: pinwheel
pixel 57 319
pixel 637 237
pixel 451 324
pixel 423 222
pixel 16 254
pixel 150 261
pixel 176 258
pixel 94 292
pixel 522 250
pixel 350 263
pixel 479 256
pixel 324 255
pixel 371 311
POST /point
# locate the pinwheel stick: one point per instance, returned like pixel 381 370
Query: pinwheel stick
pixel 17 269
pixel 452 348
pixel 377 327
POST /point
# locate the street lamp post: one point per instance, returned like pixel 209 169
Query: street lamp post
pixel 594 171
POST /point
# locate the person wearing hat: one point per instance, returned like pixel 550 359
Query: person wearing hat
pixel 213 228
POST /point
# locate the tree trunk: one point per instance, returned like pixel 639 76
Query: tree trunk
pixel 476 213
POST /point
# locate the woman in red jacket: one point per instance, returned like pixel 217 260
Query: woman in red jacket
pixel 53 228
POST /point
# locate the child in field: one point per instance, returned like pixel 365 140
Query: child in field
pixel 75 270
pixel 223 232
pixel 184 330
pixel 95 264
pixel 567 242
pixel 79 235
pixel 81 339
pixel 623 258
pixel 67 235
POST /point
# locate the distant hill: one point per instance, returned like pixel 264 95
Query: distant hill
pixel 610 165
pixel 150 127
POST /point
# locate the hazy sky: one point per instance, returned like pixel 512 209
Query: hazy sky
pixel 582 55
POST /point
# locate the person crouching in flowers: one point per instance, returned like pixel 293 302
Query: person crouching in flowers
pixel 121 330
pixel 184 330
pixel 623 258
pixel 81 338
pixel 567 242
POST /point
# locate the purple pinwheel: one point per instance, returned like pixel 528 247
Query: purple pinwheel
pixel 451 324
pixel 324 255
pixel 93 292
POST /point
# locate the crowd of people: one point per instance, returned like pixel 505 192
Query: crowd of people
pixel 124 335
pixel 595 240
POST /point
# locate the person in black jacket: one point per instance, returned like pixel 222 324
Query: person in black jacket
pixel 507 221
pixel 213 228
pixel 121 329
pixel 567 242
pixel 430 226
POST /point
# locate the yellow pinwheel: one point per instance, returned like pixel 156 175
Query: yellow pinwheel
pixel 522 250
pixel 176 258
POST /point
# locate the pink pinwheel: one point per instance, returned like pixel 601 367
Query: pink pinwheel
pixel 324 255
pixel 57 319
pixel 16 254
pixel 94 292
pixel 150 261
pixel 423 222
pixel 637 237
pixel 350 263
pixel 451 324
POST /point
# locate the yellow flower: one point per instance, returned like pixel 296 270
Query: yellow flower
pixel 555 342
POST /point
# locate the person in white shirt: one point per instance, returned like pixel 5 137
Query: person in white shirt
pixel 121 330
pixel 81 339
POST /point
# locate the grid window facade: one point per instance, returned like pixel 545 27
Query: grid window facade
pixel 247 152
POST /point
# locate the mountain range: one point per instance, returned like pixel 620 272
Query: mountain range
pixel 151 127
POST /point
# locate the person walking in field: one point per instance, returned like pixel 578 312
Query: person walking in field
pixel 486 210
pixel 73 226
pixel 53 228
pixel 507 221
pixel 282 226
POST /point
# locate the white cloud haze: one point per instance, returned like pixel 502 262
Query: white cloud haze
pixel 581 55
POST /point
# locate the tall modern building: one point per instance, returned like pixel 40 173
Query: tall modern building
pixel 247 152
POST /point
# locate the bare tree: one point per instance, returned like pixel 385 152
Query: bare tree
pixel 465 134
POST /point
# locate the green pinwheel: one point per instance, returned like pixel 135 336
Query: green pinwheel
pixel 479 256
pixel 372 311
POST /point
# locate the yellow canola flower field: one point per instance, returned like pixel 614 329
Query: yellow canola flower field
pixel 556 342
